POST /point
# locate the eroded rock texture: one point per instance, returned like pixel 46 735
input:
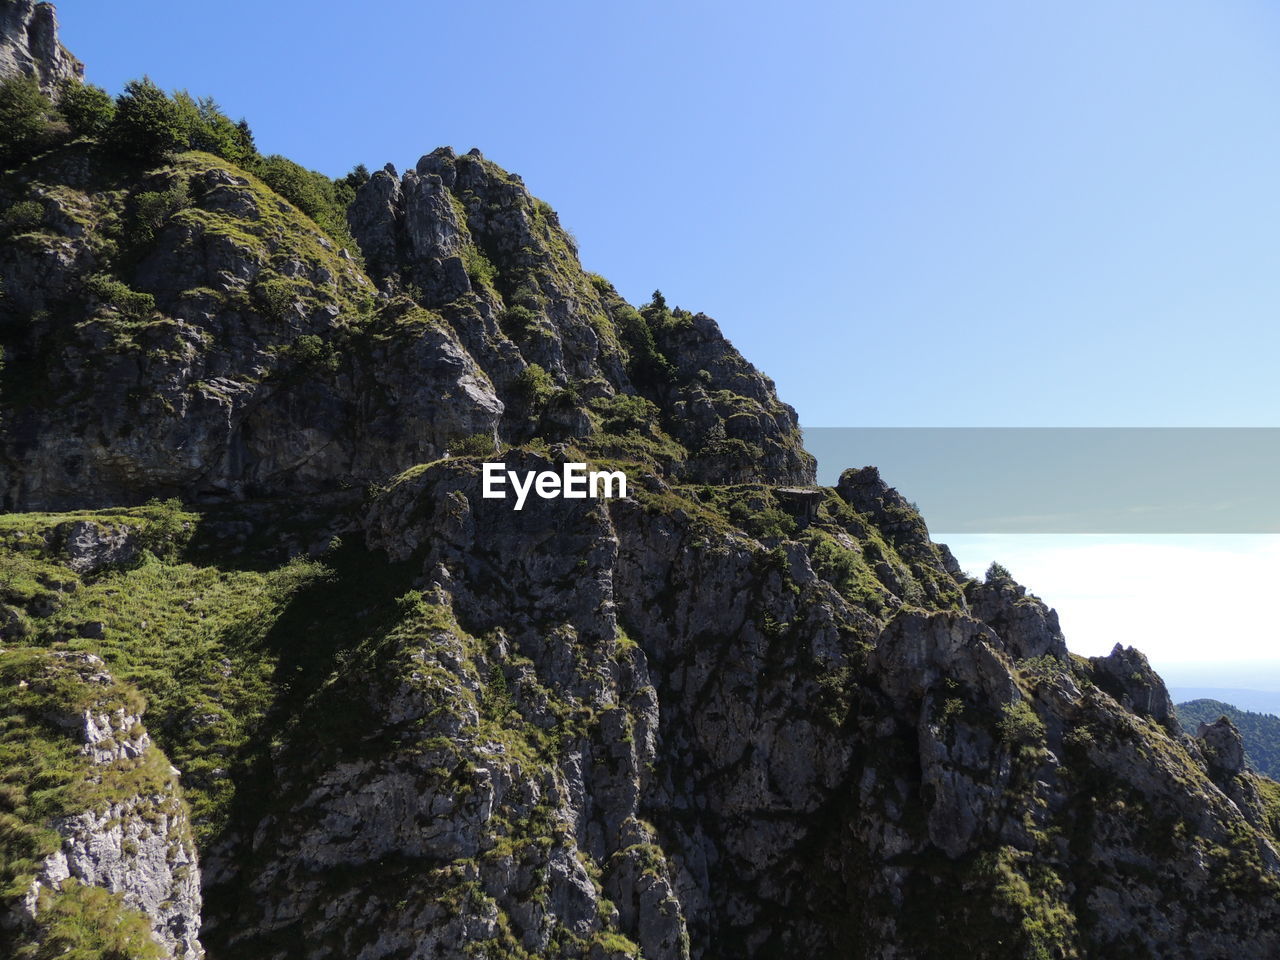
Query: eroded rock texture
pixel 133 840
pixel 29 45
pixel 731 715
pixel 265 361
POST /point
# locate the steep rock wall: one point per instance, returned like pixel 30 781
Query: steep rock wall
pixel 29 45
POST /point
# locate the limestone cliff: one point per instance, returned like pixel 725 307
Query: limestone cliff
pixel 124 827
pixel 725 716
pixel 264 361
pixel 29 45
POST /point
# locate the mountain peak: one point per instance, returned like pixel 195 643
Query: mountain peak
pixel 712 712
pixel 29 45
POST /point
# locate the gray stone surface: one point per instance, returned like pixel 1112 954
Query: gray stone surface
pixel 710 720
pixel 137 846
pixel 29 45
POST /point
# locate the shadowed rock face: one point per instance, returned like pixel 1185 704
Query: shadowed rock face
pixel 29 45
pixel 723 717
pixel 1126 675
pixel 273 364
pixel 427 230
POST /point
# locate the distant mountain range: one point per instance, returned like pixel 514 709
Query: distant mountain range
pixel 1259 701
pixel 1261 731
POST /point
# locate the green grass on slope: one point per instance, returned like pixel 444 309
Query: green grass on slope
pixel 44 774
pixel 90 923
pixel 188 637
pixel 236 656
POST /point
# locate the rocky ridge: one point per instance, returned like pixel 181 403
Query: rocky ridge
pixel 720 717
pixel 29 45
pixel 266 362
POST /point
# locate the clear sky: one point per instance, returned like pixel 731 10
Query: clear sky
pixel 1179 599
pixel 908 213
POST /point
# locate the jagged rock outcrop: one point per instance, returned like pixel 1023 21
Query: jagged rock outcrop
pixel 729 715
pixel 461 225
pixel 29 45
pixel 467 239
pixel 1028 628
pixel 262 371
pixel 137 846
pixel 1126 674
pixel 1224 748
pixel 264 362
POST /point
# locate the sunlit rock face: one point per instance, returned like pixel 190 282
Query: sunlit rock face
pixel 718 713
pixel 29 45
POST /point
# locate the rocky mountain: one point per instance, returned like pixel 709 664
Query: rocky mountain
pixel 1260 732
pixel 29 45
pixel 277 681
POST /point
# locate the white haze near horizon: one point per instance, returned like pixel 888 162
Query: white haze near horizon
pixel 1199 606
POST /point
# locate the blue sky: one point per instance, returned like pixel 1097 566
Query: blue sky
pixel 1179 599
pixel 907 213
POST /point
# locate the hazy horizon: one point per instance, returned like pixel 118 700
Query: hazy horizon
pixel 1187 601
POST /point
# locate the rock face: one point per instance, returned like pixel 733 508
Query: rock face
pixel 89 546
pixel 265 369
pixel 631 728
pixel 271 364
pixel 1224 747
pixel 29 45
pixel 467 239
pixel 655 728
pixel 137 846
pixel 730 715
pixel 1029 629
pixel 1126 675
